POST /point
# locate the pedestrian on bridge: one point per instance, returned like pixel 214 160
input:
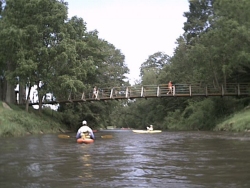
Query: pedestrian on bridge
pixel 170 87
pixel 94 96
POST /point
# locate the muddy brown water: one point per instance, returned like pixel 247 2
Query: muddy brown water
pixel 127 159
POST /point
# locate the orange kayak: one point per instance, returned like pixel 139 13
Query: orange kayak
pixel 85 141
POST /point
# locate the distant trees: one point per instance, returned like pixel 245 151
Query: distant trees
pixel 40 46
pixel 212 50
pixel 150 69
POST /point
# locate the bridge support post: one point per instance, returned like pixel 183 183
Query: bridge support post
pixel 190 90
pixel 127 93
pixel 83 97
pixel 238 89
pixel 158 91
pixel 222 90
pixel 111 93
pixel 69 97
pixel 142 91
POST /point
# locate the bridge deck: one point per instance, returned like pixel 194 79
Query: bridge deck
pixel 155 91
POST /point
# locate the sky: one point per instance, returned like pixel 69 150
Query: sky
pixel 138 28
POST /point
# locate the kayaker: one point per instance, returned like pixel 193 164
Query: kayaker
pixel 150 128
pixel 85 131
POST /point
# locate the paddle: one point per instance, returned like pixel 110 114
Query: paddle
pixel 67 136
pixel 63 136
pixel 107 136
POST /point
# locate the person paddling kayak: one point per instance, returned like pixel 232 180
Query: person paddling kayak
pixel 85 131
pixel 150 128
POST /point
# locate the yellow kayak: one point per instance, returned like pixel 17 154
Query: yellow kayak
pixel 144 131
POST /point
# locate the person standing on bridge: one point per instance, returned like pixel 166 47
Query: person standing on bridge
pixel 94 96
pixel 85 131
pixel 170 87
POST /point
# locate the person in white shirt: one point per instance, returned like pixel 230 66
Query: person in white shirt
pixel 85 131
pixel 94 96
pixel 150 128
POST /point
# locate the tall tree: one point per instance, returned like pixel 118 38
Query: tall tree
pixel 199 18
pixel 42 41
pixel 10 43
pixel 113 70
pixel 150 69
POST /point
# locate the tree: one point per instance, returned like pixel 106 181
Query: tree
pixel 44 49
pixel 199 19
pixel 113 69
pixel 151 68
pixel 10 42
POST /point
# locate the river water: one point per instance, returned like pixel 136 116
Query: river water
pixel 167 159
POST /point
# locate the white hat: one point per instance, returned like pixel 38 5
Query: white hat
pixel 84 122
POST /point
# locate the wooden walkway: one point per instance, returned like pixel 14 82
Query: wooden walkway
pixel 156 91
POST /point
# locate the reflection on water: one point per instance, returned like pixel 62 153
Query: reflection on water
pixel 167 159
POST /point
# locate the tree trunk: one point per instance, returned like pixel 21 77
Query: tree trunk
pixel 10 88
pixel 28 98
pixel 10 93
pixel 22 94
pixel 1 89
pixel 40 103
pixel 40 98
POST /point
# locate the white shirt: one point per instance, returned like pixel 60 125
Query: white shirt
pixel 150 128
pixel 84 129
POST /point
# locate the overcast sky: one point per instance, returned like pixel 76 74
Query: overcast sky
pixel 139 28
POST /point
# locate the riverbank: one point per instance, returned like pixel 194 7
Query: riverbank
pixel 15 121
pixel 238 122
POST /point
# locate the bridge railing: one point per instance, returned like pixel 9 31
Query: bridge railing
pixel 162 90
pixel 149 90
pixel 244 89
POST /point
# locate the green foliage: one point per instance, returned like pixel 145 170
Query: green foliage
pixel 154 63
pixel 198 19
pixel 239 122
pixel 71 119
pixel 198 115
pixel 173 121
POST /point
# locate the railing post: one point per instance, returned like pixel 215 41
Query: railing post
pixel 238 89
pixel 142 91
pixel 83 97
pixel 206 91
pixel 173 90
pixel 111 93
pixel 126 94
pixel 222 90
pixel 69 97
pixel 158 91
pixel 190 90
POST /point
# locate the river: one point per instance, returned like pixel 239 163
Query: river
pixel 167 159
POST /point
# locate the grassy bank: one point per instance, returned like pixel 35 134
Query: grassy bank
pixel 237 122
pixel 15 121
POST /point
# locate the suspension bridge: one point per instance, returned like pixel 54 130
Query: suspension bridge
pixel 153 91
